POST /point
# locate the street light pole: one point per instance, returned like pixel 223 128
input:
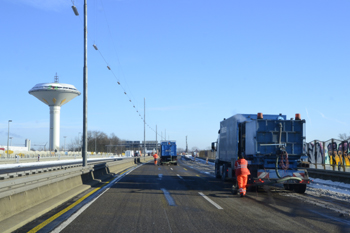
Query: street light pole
pixel 144 126
pixel 65 143
pixel 8 137
pixel 10 141
pixel 84 149
pixel 79 141
pixel 156 141
pixel 85 88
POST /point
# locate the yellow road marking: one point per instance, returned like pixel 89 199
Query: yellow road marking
pixel 198 175
pixel 185 169
pixel 43 224
pixel 122 173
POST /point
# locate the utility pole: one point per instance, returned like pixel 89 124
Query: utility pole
pixel 144 127
pixel 8 137
pixel 95 143
pixel 85 82
pixel 65 143
pixel 156 139
pixel 186 145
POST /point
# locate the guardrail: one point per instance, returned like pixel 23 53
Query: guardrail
pixel 330 175
pixel 39 188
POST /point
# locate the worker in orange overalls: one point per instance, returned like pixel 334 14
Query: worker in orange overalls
pixel 155 156
pixel 242 172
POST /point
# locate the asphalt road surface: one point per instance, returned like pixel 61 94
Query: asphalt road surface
pixel 180 199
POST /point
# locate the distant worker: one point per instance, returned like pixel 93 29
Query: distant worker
pixel 242 172
pixel 155 156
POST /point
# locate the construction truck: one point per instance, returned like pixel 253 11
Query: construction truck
pixel 168 153
pixel 272 145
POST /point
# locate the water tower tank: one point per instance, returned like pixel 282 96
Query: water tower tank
pixel 55 95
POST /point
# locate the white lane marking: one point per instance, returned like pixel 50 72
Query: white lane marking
pixel 212 202
pixel 179 176
pixel 171 168
pixel 82 209
pixel 168 221
pixel 168 197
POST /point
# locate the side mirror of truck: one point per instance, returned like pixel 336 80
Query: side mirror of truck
pixel 213 146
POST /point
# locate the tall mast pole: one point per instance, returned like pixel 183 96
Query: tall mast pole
pixel 85 88
pixel 144 126
pixel 156 140
pixel 186 145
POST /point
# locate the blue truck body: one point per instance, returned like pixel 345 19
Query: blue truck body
pixel 272 145
pixel 168 152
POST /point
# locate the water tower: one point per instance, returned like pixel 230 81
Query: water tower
pixel 55 95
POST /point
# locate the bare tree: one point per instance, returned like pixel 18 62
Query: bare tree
pixel 180 150
pixel 344 136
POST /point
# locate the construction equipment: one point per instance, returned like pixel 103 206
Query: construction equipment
pixel 168 153
pixel 272 145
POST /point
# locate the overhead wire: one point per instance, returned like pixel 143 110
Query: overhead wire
pixel 114 48
pixel 130 97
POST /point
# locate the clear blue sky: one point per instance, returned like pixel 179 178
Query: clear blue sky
pixel 195 61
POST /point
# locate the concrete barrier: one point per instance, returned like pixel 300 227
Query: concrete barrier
pixel 23 199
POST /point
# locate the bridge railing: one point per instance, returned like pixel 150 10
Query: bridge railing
pixel 333 154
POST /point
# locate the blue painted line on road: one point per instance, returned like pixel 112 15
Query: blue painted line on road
pixel 168 197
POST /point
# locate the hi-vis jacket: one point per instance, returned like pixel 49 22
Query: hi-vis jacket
pixel 241 167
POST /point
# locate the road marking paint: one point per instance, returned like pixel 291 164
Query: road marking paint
pixel 160 176
pixel 198 175
pixel 211 201
pixel 168 197
pixel 168 221
pixel 185 169
pixel 179 176
pixel 171 168
pixel 48 221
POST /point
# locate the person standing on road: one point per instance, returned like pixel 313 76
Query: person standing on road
pixel 242 172
pixel 155 156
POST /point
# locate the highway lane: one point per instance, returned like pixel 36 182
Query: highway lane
pixel 137 203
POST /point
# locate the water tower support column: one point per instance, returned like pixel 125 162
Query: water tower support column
pixel 55 127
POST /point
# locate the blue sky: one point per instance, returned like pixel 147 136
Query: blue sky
pixel 195 61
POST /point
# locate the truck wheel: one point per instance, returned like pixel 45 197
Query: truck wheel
pixel 224 172
pixel 217 171
pixel 234 190
pixel 300 188
pixel 252 188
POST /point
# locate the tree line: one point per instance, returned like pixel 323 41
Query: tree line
pixel 99 142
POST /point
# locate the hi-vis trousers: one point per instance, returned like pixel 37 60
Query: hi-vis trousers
pixel 242 184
